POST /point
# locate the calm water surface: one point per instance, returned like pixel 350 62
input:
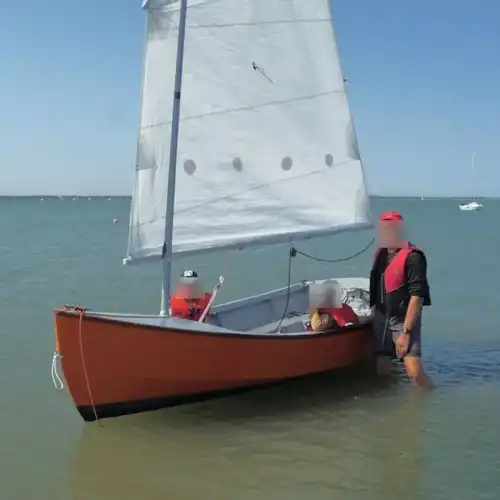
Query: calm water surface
pixel 326 438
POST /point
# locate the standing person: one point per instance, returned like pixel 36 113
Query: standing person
pixel 398 292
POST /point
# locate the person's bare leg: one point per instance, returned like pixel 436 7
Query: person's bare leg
pixel 416 372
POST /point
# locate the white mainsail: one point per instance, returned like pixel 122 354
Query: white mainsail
pixel 267 151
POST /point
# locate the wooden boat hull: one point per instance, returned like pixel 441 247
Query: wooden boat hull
pixel 116 367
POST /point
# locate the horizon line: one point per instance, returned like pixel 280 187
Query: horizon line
pixel 413 196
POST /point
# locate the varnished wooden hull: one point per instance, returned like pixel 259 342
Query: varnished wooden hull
pixel 114 367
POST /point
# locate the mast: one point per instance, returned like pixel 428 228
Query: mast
pixel 174 139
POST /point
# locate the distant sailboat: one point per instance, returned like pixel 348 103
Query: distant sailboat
pixel 473 205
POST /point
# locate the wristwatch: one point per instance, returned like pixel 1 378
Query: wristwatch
pixel 406 330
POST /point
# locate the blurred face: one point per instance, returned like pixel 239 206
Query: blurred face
pixel 324 295
pixel 189 290
pixel 391 234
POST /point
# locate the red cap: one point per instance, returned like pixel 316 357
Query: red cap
pixel 390 216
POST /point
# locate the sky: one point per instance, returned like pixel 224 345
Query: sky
pixel 424 92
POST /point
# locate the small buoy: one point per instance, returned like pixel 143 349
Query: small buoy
pixel 115 220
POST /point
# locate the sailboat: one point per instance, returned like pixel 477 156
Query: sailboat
pixel 473 205
pixel 260 151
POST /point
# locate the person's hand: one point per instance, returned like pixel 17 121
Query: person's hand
pixel 402 344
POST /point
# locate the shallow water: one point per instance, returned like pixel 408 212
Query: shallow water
pixel 326 437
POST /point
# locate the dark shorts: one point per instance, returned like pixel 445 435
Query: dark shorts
pixel 387 330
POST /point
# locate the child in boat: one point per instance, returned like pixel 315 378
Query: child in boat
pixel 330 315
pixel 188 300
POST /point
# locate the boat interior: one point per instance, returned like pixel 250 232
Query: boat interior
pixel 280 311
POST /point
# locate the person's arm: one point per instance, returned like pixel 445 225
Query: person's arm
pixel 416 275
pixel 321 321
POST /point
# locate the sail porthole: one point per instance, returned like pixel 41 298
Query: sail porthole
pixel 329 160
pixel 286 163
pixel 189 167
pixel 237 164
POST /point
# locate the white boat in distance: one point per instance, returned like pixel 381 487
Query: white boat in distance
pixel 473 205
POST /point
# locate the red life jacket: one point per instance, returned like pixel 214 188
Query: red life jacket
pixel 192 309
pixel 394 275
pixel 396 295
pixel 341 315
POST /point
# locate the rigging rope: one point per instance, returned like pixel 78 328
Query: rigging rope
pixel 334 261
pixel 56 359
pixel 80 335
pixel 293 253
pixel 56 378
